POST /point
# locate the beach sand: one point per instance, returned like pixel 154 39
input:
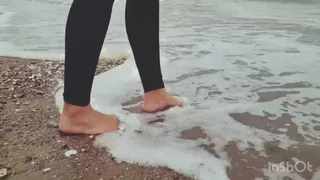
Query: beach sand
pixel 33 148
pixel 31 145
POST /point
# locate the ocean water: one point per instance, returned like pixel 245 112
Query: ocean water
pixel 247 71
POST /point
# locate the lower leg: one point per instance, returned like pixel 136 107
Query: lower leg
pixel 142 23
pixel 86 28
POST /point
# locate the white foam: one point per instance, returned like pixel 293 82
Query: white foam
pixel 159 144
pixel 114 54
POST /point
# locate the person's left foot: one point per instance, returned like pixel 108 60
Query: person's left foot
pixel 159 100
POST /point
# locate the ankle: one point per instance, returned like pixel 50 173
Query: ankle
pixel 72 110
pixel 157 92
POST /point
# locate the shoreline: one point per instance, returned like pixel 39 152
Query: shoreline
pixel 33 148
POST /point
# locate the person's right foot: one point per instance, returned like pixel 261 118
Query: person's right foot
pixel 85 120
pixel 159 100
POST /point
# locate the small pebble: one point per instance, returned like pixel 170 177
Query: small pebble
pixel 40 92
pixel 118 161
pixel 46 169
pixel 3 172
pixel 53 124
pixel 70 152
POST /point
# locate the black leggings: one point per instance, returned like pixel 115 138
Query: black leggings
pixel 87 25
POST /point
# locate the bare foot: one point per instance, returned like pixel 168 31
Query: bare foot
pixel 85 120
pixel 159 100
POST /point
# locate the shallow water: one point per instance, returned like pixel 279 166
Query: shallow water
pixel 247 70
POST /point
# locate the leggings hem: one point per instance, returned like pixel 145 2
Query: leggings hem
pixel 76 100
